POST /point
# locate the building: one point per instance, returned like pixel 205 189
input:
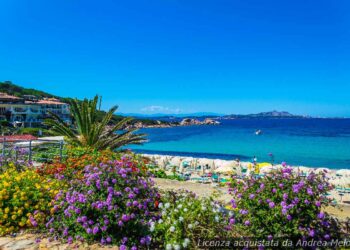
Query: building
pixel 29 111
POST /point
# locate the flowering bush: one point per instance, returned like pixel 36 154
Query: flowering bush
pixel 24 199
pixel 184 218
pixel 283 204
pixel 112 204
pixel 77 158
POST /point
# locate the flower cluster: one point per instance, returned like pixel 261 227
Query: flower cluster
pixel 283 204
pixel 184 217
pixel 24 199
pixel 113 204
pixel 76 160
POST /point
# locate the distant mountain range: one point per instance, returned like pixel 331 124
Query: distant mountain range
pixel 202 115
pixel 268 115
pixel 168 116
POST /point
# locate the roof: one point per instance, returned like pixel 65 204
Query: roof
pixel 14 138
pixel 7 96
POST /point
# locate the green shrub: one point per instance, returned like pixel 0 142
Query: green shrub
pixel 284 204
pixel 184 218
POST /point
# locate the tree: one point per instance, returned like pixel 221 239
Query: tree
pixel 91 130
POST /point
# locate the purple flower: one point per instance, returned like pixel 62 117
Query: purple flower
pixel 285 196
pixel 70 240
pixel 271 204
pixel 232 221
pixel 247 223
pixel 309 191
pixel 289 217
pixel 320 215
pixel 269 237
pixel 326 236
pixel 89 230
pixel 284 210
pixel 122 247
pixel 274 190
pixel 318 203
pixel 251 196
pixel 311 233
pixel 109 239
pixel 95 230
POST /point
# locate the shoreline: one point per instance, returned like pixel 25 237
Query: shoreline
pixel 198 167
pixel 218 156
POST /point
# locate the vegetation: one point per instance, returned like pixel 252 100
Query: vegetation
pixel 25 199
pixel 185 218
pixel 90 132
pixel 284 204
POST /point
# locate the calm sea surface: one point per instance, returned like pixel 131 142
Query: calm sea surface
pixel 304 142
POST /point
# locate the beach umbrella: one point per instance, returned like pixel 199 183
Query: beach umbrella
pixel 224 169
pixel 176 161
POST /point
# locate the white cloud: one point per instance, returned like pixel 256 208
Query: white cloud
pixel 160 109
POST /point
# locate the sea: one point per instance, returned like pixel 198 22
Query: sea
pixel 298 142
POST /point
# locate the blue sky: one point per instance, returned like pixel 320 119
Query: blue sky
pixel 234 56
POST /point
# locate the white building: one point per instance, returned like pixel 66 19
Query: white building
pixel 30 111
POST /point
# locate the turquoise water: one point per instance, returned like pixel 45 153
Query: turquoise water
pixel 304 142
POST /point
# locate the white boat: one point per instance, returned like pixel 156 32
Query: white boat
pixel 258 132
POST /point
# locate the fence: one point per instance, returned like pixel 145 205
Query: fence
pixel 39 150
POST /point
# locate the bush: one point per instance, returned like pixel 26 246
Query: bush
pixel 283 204
pixel 25 199
pixel 36 132
pixel 112 204
pixel 75 160
pixel 184 218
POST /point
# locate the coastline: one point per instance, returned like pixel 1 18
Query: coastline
pixel 340 179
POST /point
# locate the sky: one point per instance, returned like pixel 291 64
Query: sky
pixel 183 56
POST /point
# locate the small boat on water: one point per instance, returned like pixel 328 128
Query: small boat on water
pixel 258 132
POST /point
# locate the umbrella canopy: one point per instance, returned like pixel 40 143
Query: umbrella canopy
pixel 224 169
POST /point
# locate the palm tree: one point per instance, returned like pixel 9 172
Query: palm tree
pixel 90 130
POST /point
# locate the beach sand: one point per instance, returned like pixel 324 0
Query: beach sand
pixel 205 190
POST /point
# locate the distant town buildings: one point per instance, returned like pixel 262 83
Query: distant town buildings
pixel 29 111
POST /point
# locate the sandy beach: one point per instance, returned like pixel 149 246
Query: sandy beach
pixel 198 167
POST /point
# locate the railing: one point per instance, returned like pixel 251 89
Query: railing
pixel 32 150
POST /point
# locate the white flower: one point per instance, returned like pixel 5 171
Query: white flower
pixel 152 228
pixel 185 210
pixel 190 226
pixel 196 223
pixel 230 213
pixel 217 218
pixel 160 205
pixel 179 206
pixel 181 218
pixel 175 210
pixel 168 247
pixel 172 229
pixel 185 243
pixel 167 205
pixel 204 208
pixel 177 247
pixel 163 213
pixel 160 221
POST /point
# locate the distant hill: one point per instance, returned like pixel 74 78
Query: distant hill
pixel 268 115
